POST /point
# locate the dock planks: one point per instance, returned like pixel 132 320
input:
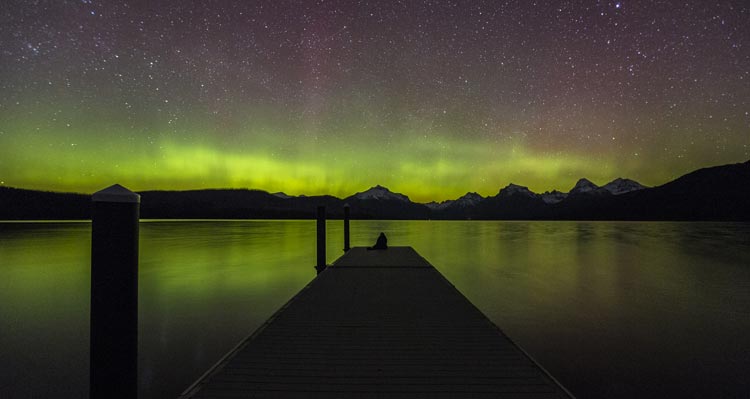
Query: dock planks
pixel 377 324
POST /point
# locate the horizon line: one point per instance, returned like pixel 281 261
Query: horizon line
pixel 272 192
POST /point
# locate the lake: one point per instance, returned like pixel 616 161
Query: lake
pixel 611 309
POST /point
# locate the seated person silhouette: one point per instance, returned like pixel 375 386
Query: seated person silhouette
pixel 381 243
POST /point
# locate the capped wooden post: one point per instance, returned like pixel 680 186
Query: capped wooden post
pixel 346 227
pixel 321 265
pixel 115 212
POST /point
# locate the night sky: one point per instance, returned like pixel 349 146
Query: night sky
pixel 429 98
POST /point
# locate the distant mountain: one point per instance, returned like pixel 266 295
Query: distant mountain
pixel 467 200
pixel 553 197
pixel 584 186
pixel 437 206
pixel 235 204
pixel 281 195
pixel 511 202
pixel 381 203
pixel 621 186
pixel 716 193
pixel 615 187
pixel 513 190
pixel 380 193
pixel 459 208
pixel 20 204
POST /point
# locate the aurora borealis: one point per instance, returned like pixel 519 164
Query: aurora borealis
pixel 429 98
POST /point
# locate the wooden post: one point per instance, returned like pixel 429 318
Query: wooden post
pixel 321 239
pixel 346 227
pixel 113 370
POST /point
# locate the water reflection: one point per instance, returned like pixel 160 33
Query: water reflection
pixel 611 309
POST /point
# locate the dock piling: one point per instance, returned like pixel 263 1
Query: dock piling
pixel 321 241
pixel 346 228
pixel 115 213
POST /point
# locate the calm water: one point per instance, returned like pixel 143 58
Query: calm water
pixel 611 309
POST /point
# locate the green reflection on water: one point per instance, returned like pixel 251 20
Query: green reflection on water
pixel 44 305
pixel 609 308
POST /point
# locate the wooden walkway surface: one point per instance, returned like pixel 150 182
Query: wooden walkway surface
pixel 377 324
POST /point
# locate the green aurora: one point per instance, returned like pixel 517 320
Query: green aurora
pixel 324 105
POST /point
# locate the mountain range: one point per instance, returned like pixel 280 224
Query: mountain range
pixel 715 193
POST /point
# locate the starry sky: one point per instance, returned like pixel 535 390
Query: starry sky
pixel 429 98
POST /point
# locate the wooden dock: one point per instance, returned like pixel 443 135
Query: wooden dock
pixel 378 324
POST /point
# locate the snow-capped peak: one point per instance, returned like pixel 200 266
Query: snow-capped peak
pixel 281 195
pixel 381 193
pixel 583 186
pixel 466 200
pixel 513 189
pixel 621 186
